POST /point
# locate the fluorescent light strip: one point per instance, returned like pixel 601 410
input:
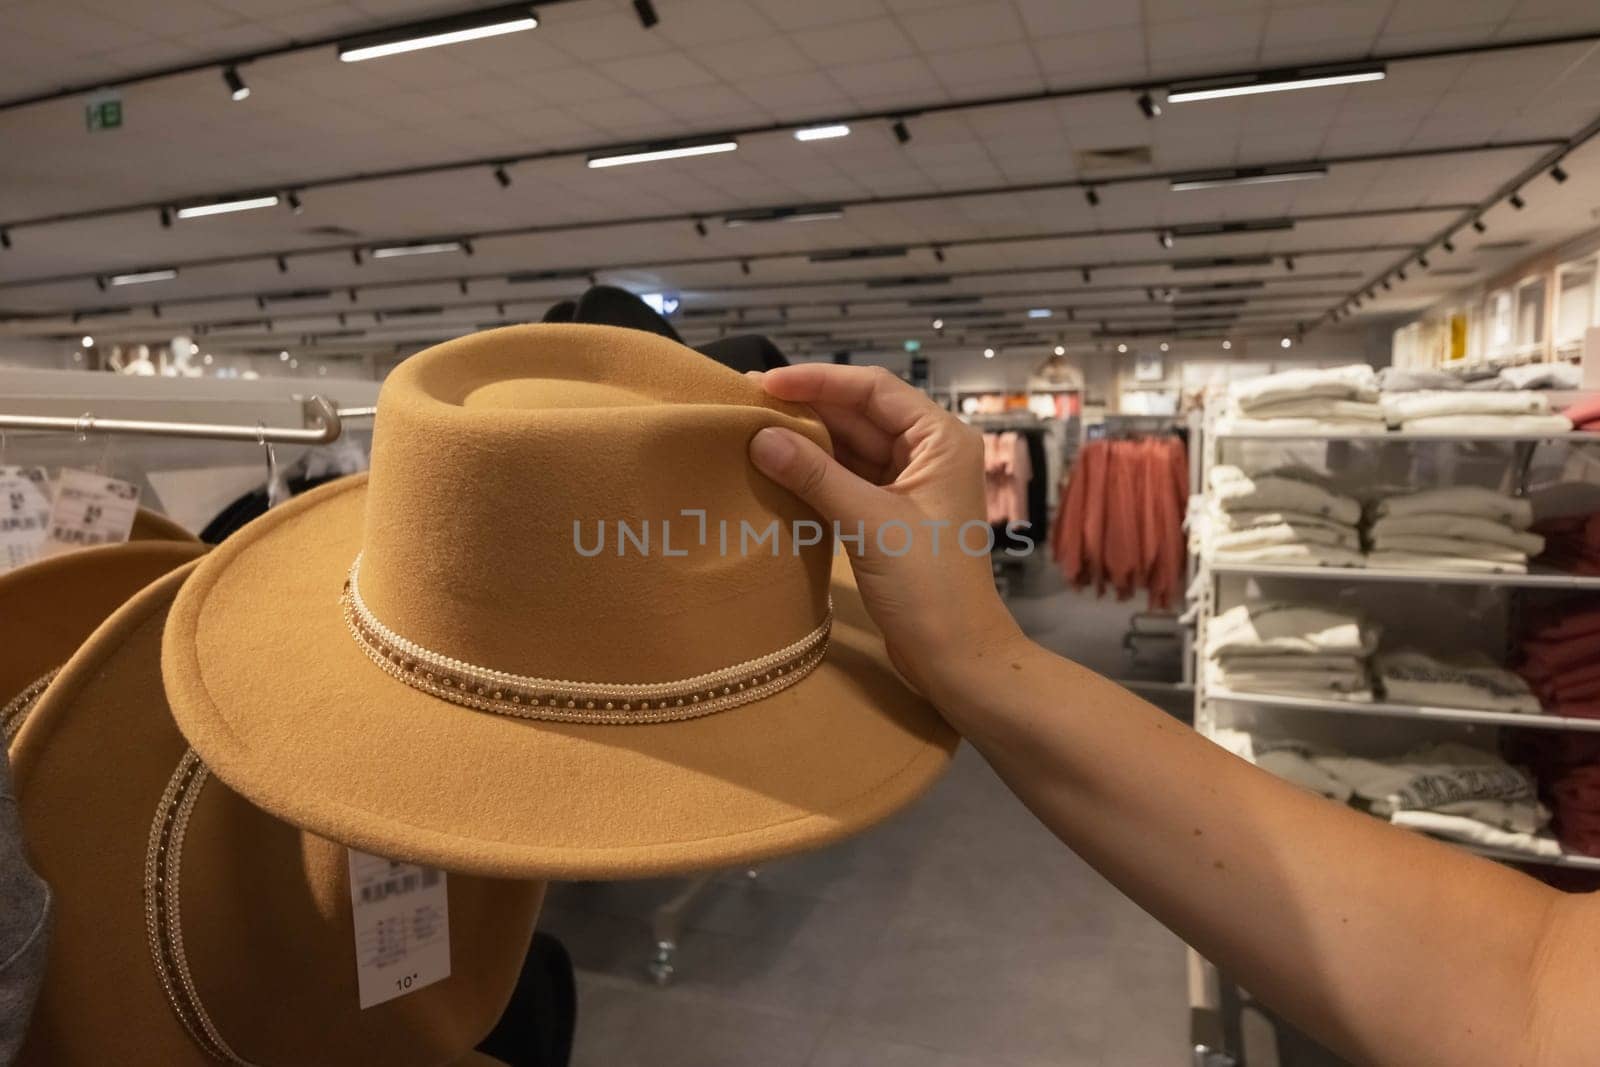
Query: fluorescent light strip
pixel 1180 185
pixel 222 207
pixel 436 40
pixel 1184 96
pixel 140 277
pixel 395 251
pixel 654 154
pixel 822 133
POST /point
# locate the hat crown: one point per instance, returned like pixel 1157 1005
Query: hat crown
pixel 577 502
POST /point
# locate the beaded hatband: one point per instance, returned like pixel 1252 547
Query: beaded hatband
pixel 567 701
pixel 163 918
pixel 16 710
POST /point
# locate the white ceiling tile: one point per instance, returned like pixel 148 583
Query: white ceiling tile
pixel 966 26
pixel 1417 16
pixel 788 15
pixel 1185 39
pixel 854 42
pixel 893 80
pixel 963 70
pixel 696 23
pixel 647 74
pixel 752 59
pixel 1049 18
pixel 1064 58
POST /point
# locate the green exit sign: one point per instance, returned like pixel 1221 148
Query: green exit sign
pixel 103 112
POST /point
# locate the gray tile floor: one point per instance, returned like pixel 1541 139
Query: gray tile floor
pixel 957 934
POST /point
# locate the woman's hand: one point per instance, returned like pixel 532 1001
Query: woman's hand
pixel 903 469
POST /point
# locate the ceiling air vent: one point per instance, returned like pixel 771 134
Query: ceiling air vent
pixel 1100 159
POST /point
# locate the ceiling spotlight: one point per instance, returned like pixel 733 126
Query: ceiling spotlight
pixel 1088 276
pixel 502 176
pixel 1227 345
pixel 1092 195
pixel 1150 295
pixel 988 353
pixel 1387 285
pixel 744 266
pixel 1122 349
pixel 938 324
pixel 1400 274
pixel 207 359
pixel 284 356
pixel 938 253
pixel 100 284
pixel 1288 263
pixel 292 198
pixel 1061 350
pixel 822 133
pixel 294 364
pixel 1448 245
pixel 283 265
pixel 5 237
pixel 88 342
pixel 437 32
pixel 1165 239
pixel 700 227
pixel 1422 261
pixel 646 12
pixel 236 86
pixel 1148 105
pixel 166 218
pixel 1558 173
pixel 1477 224
pixel 462 285
pixel 155 311
pixel 1516 200
pixel 352 292
pixel 1165 347
pixel 1286 343
pixel 355 256
pixel 902 132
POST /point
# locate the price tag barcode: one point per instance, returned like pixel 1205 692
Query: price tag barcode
pixel 89 509
pixel 401 915
pixel 24 514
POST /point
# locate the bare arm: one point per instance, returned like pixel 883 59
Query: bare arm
pixel 1387 946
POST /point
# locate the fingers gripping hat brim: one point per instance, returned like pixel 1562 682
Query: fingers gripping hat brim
pixel 267 683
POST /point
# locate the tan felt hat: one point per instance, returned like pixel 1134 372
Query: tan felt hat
pixel 192 927
pixel 481 693
pixel 49 608
pixel 153 526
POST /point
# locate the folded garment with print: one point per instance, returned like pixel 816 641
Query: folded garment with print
pixel 1463 527
pixel 1315 407
pixel 1472 832
pixel 1317 684
pixel 1288 759
pixel 1234 490
pixel 1396 380
pixel 1284 533
pixel 1356 381
pixel 1402 408
pixel 1448 777
pixel 1298 555
pixel 1469 500
pixel 1468 425
pixel 1453 547
pixel 1411 677
pixel 1282 628
pixel 1408 561
pixel 1238 426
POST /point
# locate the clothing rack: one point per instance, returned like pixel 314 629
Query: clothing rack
pixel 324 425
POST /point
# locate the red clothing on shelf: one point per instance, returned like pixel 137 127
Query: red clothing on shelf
pixel 1585 414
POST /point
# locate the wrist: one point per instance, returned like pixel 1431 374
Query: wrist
pixel 966 678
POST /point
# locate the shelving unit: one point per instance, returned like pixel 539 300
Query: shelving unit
pixel 1574 437
pixel 1419 575
pixel 1471 716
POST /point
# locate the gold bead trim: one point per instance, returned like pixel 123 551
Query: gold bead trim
pixel 16 710
pixel 163 871
pixel 551 700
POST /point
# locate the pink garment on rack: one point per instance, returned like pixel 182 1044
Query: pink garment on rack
pixel 1585 414
pixel 1006 473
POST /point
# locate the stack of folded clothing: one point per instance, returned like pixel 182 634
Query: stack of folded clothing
pixel 1335 400
pixel 1292 760
pixel 1585 414
pixel 1571 543
pixel 1280 516
pixel 1567 766
pixel 1464 412
pixel 1561 660
pixel 1291 650
pixel 1397 380
pixel 1473 682
pixel 1458 528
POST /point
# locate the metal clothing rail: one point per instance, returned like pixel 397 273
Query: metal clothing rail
pixel 323 425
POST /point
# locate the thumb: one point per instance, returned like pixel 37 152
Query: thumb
pixel 800 466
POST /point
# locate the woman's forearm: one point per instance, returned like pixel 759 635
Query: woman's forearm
pixel 1391 947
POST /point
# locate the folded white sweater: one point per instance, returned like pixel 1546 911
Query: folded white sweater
pixel 1411 677
pixel 1401 408
pixel 1452 547
pixel 1283 628
pixel 1241 425
pixel 1234 490
pixel 1472 832
pixel 1315 407
pixel 1232 521
pixel 1487 424
pixel 1356 381
pixel 1461 500
pixel 1284 533
pixel 1466 527
pixel 1409 561
pixel 1299 555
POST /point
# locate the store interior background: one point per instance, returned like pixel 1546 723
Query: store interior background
pixel 959 934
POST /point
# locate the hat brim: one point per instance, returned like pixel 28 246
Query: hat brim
pixel 271 689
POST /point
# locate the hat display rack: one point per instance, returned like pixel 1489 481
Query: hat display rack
pixel 324 425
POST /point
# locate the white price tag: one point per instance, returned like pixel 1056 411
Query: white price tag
pixel 24 513
pixel 89 509
pixel 402 922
